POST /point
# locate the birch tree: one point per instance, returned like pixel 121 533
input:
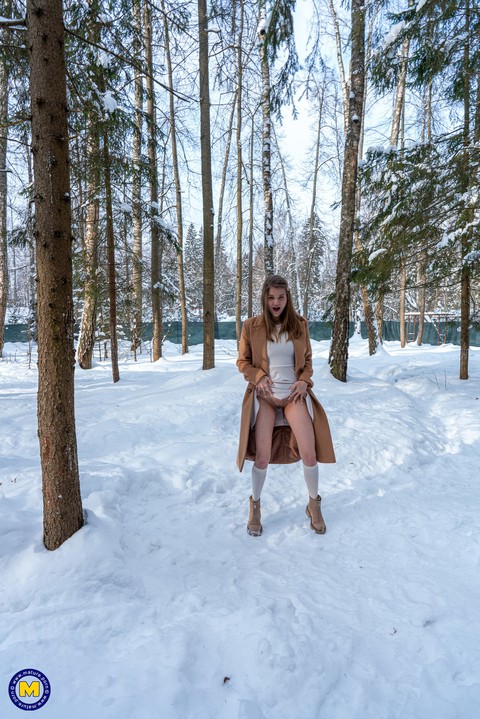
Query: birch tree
pixel 207 192
pixel 177 181
pixel 156 243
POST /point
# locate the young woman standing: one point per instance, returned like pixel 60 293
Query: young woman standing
pixel 282 420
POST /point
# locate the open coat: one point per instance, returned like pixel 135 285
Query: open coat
pixel 253 364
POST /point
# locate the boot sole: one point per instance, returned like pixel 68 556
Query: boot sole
pixel 317 531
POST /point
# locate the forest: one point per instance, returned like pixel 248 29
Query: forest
pixel 158 160
pixel 136 178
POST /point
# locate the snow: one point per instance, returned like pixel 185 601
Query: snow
pixel 376 253
pixel 163 606
pixel 393 34
pixel 109 102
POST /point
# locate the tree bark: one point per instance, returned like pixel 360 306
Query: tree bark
pixel 137 249
pixel 157 247
pixel 62 505
pixel 207 193
pixel 32 284
pixel 86 340
pixel 238 278
pixel 112 291
pixel 465 242
pixel 266 151
pixel 341 69
pixel 403 284
pixel 3 195
pixel 219 283
pixel 295 288
pixel 399 104
pixel 250 225
pixel 338 357
pixel 178 188
pixel 312 212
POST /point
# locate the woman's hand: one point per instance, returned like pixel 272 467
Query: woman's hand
pixel 298 392
pixel 264 387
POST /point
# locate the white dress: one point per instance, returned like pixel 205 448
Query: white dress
pixel 281 366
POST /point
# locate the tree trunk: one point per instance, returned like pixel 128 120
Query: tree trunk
pixel 62 504
pixel 370 323
pixel 137 249
pixel 465 242
pixel 219 278
pixel 178 189
pixel 295 289
pixel 399 104
pixel 112 291
pixel 86 340
pixel 341 69
pixel 32 271
pixel 422 277
pixel 207 193
pixel 403 284
pixel 311 234
pixel 266 150
pixel 250 225
pixel 423 264
pixel 3 195
pixel 157 247
pixel 238 279
pixel 338 357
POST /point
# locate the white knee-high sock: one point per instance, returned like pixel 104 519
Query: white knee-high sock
pixel 311 479
pixel 258 480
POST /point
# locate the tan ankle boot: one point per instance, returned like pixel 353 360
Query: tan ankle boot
pixel 254 526
pixel 315 513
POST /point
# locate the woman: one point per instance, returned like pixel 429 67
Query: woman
pixel 282 420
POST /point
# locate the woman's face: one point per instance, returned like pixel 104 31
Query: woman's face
pixel 276 301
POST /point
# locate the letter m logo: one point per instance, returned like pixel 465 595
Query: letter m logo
pixel 31 690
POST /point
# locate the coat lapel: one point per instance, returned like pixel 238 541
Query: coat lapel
pixel 259 341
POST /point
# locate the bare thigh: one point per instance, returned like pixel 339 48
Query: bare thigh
pixel 302 427
pixel 263 433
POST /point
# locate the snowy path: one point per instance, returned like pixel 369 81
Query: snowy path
pixel 162 595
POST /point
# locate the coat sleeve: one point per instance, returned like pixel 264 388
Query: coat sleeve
pixel 245 361
pixel 307 371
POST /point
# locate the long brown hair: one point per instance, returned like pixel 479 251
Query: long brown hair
pixel 290 319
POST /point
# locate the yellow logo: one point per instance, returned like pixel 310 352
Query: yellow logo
pixel 29 690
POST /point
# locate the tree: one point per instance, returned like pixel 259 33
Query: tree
pixel 56 419
pixel 443 39
pixel 266 145
pixel 137 249
pixel 207 193
pixel 3 189
pixel 178 188
pixel 86 338
pixel 338 357
pixel 156 243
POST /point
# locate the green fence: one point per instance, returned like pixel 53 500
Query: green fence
pixel 434 334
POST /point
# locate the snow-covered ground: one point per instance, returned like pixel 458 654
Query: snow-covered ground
pixel 162 607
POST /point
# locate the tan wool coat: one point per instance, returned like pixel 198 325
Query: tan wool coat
pixel 253 364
